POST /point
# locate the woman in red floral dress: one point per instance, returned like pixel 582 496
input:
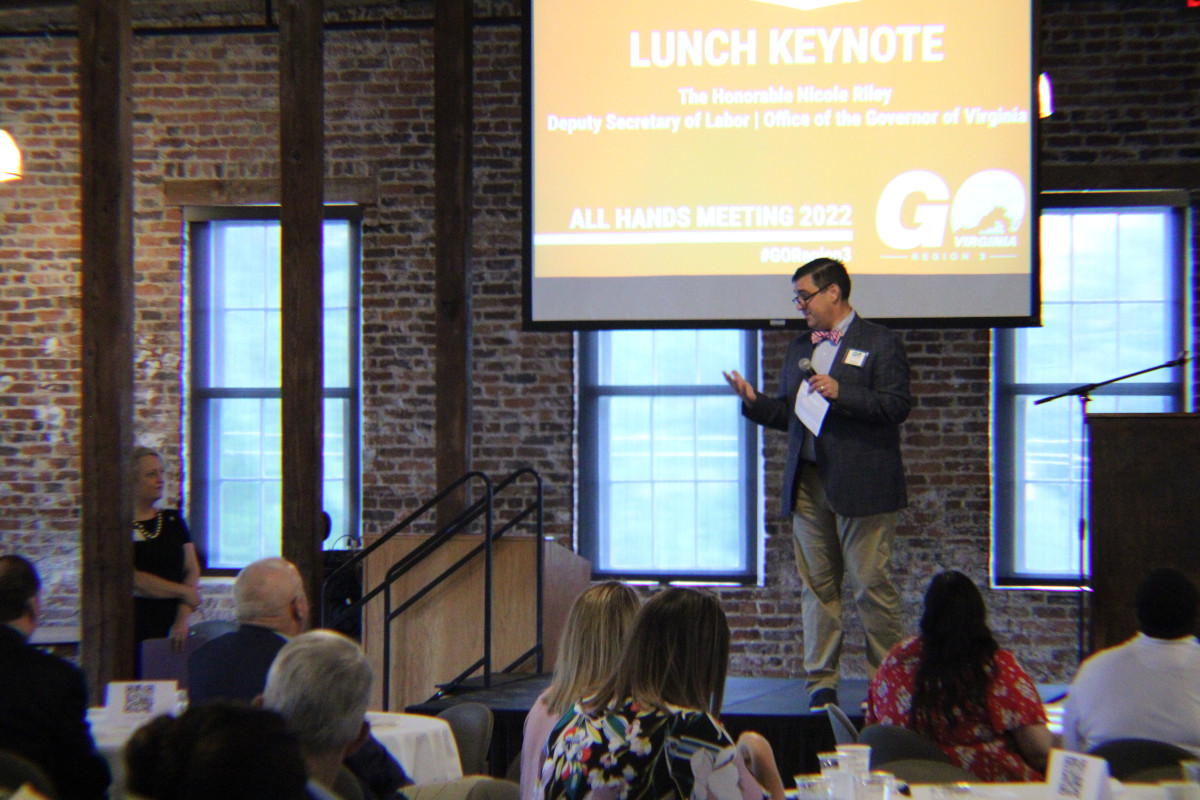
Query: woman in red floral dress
pixel 954 685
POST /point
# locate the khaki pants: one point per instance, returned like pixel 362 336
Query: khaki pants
pixel 829 547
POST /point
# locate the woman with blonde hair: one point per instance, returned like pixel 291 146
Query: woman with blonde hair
pixel 651 730
pixel 166 572
pixel 591 643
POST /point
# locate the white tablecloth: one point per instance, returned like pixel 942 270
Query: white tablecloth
pixel 424 746
pixel 110 735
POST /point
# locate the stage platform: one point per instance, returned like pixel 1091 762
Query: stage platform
pixel 775 707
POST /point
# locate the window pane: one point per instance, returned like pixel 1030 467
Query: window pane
pixel 1093 338
pixel 240 357
pixel 1048 347
pixel 1145 340
pixel 626 358
pixel 237 425
pixel 674 439
pixel 1056 257
pixel 335 342
pixel 1143 253
pixel 630 540
pixel 718 540
pixel 628 424
pixel 1093 257
pixel 717 443
pixel 674 358
pixel 675 526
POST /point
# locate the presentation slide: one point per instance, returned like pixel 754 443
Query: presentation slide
pixel 685 156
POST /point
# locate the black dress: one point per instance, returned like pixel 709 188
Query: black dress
pixel 158 549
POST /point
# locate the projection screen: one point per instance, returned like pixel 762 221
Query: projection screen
pixel 683 157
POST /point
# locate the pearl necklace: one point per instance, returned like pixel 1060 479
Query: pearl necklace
pixel 144 528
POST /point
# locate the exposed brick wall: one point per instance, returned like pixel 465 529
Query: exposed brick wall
pixel 206 107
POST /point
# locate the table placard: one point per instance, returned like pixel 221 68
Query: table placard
pixel 1075 776
pixel 137 701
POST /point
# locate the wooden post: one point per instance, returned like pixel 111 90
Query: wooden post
pixel 106 282
pixel 452 123
pixel 302 173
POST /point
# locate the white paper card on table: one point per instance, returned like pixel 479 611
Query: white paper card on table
pixel 136 701
pixel 811 408
pixel 1075 776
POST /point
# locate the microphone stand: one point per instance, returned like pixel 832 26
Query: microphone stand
pixel 1084 394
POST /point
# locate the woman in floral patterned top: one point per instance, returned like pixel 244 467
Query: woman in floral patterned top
pixel 955 685
pixel 651 731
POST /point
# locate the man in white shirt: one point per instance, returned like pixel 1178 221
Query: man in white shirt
pixel 1149 686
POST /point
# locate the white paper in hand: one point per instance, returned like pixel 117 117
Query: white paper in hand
pixel 811 408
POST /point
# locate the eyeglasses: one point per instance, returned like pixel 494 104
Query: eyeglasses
pixel 802 299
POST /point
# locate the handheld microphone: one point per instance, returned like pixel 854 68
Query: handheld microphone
pixel 806 368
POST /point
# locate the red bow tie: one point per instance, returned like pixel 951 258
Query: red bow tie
pixel 834 336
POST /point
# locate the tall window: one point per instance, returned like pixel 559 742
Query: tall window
pixel 1113 290
pixel 235 462
pixel 668 467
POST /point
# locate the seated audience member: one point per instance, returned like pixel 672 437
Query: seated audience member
pixel 954 685
pixel 43 699
pixel 651 730
pixel 270 604
pixel 1149 686
pixel 320 684
pixel 216 750
pixel 591 643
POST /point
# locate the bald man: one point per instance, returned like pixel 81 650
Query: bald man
pixel 271 607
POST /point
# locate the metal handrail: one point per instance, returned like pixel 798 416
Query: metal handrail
pixel 481 508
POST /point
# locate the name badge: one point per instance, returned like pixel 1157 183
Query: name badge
pixel 855 358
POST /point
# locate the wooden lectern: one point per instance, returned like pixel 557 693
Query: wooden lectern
pixel 1145 510
pixel 442 634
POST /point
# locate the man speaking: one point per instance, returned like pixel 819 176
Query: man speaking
pixel 843 394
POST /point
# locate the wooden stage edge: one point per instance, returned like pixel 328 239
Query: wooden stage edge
pixel 775 707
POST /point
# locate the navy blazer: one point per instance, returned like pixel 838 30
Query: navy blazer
pixel 858 451
pixel 233 666
pixel 43 717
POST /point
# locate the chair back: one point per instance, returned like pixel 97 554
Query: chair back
pixel 844 731
pixel 471 724
pixel 161 662
pixel 920 770
pixel 1126 757
pixel 893 743
pixel 16 771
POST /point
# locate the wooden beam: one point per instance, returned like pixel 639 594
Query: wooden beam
pixel 106 283
pixel 452 123
pixel 259 191
pixel 1119 177
pixel 302 173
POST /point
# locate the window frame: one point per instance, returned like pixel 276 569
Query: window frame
pixel 591 446
pixel 197 343
pixel 1008 441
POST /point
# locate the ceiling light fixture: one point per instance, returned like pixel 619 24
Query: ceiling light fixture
pixel 10 158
